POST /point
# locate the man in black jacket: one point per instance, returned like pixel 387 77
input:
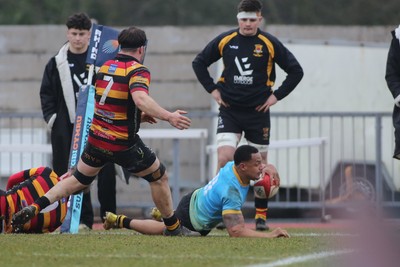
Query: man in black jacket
pixel 63 75
pixel 393 81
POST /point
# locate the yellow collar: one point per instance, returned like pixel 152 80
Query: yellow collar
pixel 239 178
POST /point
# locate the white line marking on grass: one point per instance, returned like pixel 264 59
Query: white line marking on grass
pixel 304 258
pixel 281 262
pixel 321 234
pixel 134 256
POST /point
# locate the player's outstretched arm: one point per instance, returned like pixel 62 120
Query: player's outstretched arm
pixel 236 228
pixel 179 121
pixel 148 105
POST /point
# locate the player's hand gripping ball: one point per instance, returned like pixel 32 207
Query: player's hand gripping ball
pixel 265 187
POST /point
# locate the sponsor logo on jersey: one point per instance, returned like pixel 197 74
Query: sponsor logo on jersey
pixel 112 68
pixel 105 113
pixel 234 46
pixel 139 79
pixel 244 71
pixel 109 121
pixel 242 80
pixel 104 135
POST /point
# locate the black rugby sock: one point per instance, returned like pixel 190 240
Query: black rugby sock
pixel 41 203
pixel 171 223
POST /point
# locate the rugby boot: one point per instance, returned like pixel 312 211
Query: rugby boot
pixel 180 231
pixel 112 220
pixel 261 225
pixel 23 216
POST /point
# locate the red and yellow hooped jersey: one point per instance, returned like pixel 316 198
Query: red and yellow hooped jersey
pixel 116 118
pixel 23 188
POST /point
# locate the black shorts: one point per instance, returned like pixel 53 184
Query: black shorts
pixel 135 159
pixel 182 212
pixel 255 125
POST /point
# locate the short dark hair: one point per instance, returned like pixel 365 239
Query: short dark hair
pixel 243 153
pixel 132 38
pixel 79 21
pixel 249 6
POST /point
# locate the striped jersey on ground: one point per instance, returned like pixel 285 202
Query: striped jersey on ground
pixel 23 188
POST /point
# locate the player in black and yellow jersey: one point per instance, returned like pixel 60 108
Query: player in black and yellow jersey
pixel 23 188
pixel 245 91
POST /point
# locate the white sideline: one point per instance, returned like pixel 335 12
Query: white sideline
pixel 304 258
pixel 283 262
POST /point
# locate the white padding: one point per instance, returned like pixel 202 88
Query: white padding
pixel 261 148
pixel 227 139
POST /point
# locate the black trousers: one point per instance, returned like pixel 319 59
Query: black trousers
pixel 396 125
pixel 61 137
pixel 106 191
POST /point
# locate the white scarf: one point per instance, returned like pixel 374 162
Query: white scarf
pixel 397 33
pixel 66 81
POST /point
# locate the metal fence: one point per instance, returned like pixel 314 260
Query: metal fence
pixel 356 160
pixel 322 158
pixel 18 131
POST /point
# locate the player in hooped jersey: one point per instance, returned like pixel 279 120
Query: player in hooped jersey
pixel 22 189
pixel 122 103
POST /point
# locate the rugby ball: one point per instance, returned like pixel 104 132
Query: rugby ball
pixel 265 187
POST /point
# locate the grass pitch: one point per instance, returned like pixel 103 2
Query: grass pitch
pixel 127 248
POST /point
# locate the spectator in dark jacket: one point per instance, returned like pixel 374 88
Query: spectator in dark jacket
pixel 63 75
pixel 393 81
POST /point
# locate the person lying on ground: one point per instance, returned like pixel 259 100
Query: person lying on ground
pixel 220 200
pixel 22 189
